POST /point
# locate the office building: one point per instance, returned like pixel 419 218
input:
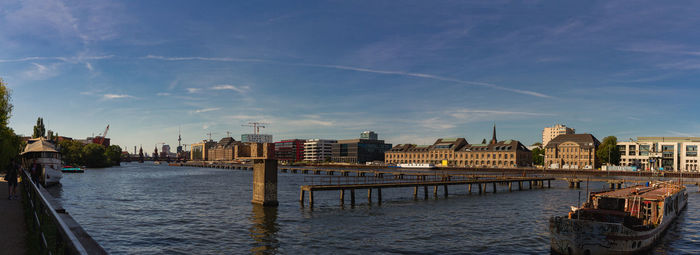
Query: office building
pixel 552 132
pixel 360 151
pixel 661 153
pixel 290 150
pixel 318 150
pixel 572 151
pixel 256 138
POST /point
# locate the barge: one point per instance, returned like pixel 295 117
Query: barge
pixel 624 221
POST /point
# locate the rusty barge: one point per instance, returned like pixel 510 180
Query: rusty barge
pixel 623 221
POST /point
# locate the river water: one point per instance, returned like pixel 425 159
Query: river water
pixel 157 209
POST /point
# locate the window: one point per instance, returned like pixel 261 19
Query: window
pixel 691 150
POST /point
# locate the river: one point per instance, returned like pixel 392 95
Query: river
pixel 157 209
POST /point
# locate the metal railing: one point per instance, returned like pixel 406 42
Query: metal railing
pixel 42 211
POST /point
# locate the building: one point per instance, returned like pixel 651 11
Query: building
pixel 572 151
pixel 457 152
pixel 318 150
pixel 290 150
pixel 369 135
pixel 256 138
pixel 165 151
pixel 200 151
pixel 552 132
pixel 223 150
pixel 360 151
pixel 661 153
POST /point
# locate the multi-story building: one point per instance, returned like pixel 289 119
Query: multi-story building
pixel 661 153
pixel 360 151
pixel 200 151
pixel 458 152
pixel 290 150
pixel 256 138
pixel 572 151
pixel 223 150
pixel 318 149
pixel 552 132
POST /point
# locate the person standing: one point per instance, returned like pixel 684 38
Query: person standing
pixel 11 178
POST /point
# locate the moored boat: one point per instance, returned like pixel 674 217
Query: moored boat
pixel 623 221
pixel 72 169
pixel 416 165
pixel 43 152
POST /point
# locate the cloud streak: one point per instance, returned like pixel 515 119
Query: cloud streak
pixel 207 110
pixel 358 69
pixel 239 89
pixel 116 96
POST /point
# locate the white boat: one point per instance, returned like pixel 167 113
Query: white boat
pixel 624 221
pixel 156 162
pixel 44 153
pixel 414 165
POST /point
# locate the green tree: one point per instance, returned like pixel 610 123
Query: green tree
pixel 113 155
pixel 607 152
pixel 72 152
pixel 10 143
pixel 39 129
pixel 538 156
pixel 94 155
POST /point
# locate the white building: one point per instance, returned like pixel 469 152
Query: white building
pixel 661 153
pixel 256 138
pixel 318 149
pixel 550 133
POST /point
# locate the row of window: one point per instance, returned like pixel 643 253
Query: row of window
pixel 457 155
pixel 468 163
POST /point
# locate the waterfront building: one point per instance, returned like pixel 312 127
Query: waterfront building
pixel 223 150
pixel 572 151
pixel 360 151
pixel 552 132
pixel 661 153
pixel 290 150
pixel 165 151
pixel 256 138
pixel 458 152
pixel 318 149
pixel 200 151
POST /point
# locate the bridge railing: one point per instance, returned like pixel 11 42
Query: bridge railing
pixel 43 213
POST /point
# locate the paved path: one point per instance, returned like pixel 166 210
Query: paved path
pixel 12 227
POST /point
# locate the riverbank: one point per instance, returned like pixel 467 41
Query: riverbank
pixel 14 232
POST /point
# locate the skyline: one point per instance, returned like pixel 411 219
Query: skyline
pixel 412 72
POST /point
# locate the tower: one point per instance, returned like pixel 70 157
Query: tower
pixel 494 140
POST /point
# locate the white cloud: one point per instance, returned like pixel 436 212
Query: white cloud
pixel 116 96
pixel 41 72
pixel 193 90
pixel 88 66
pixel 162 94
pixel 239 89
pixel 207 110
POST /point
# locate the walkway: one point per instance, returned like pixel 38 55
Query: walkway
pixel 12 227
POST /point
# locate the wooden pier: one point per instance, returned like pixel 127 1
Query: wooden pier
pixel 482 186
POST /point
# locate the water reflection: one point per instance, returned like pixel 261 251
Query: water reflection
pixel 264 230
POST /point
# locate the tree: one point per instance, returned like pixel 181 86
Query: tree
pixel 538 144
pixel 113 155
pixel 607 152
pixel 72 152
pixel 10 143
pixel 538 156
pixel 39 129
pixel 483 141
pixel 94 155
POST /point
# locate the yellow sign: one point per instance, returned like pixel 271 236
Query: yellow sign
pixel 444 162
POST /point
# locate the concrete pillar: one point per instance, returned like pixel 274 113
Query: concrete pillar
pixel 520 185
pixel 425 191
pixel 415 193
pixel 369 196
pixel 265 182
pixel 379 195
pixel 469 189
pixel 301 197
pixel 510 186
pixel 494 187
pixel 352 197
pixel 311 198
pixel 435 191
pixel 445 187
pixel 549 183
pixel 480 190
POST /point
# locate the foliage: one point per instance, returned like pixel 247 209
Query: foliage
pixel 10 143
pixel 39 129
pixel 113 154
pixel 94 155
pixel 608 152
pixel 72 152
pixel 538 156
pixel 538 144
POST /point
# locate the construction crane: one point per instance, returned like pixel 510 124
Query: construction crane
pixel 101 139
pixel 256 126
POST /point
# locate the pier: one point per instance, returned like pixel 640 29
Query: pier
pixel 419 182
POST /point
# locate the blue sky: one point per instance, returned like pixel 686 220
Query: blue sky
pixel 412 71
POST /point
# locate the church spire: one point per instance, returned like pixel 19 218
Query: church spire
pixel 494 140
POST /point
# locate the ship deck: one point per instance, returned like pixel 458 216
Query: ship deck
pixel 647 193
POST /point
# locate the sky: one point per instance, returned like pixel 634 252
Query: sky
pixel 412 71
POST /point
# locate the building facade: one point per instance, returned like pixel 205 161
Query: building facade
pixel 318 150
pixel 359 151
pixel 661 153
pixel 457 152
pixel 369 135
pixel 572 151
pixel 200 151
pixel 290 150
pixel 256 138
pixel 223 150
pixel 552 132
